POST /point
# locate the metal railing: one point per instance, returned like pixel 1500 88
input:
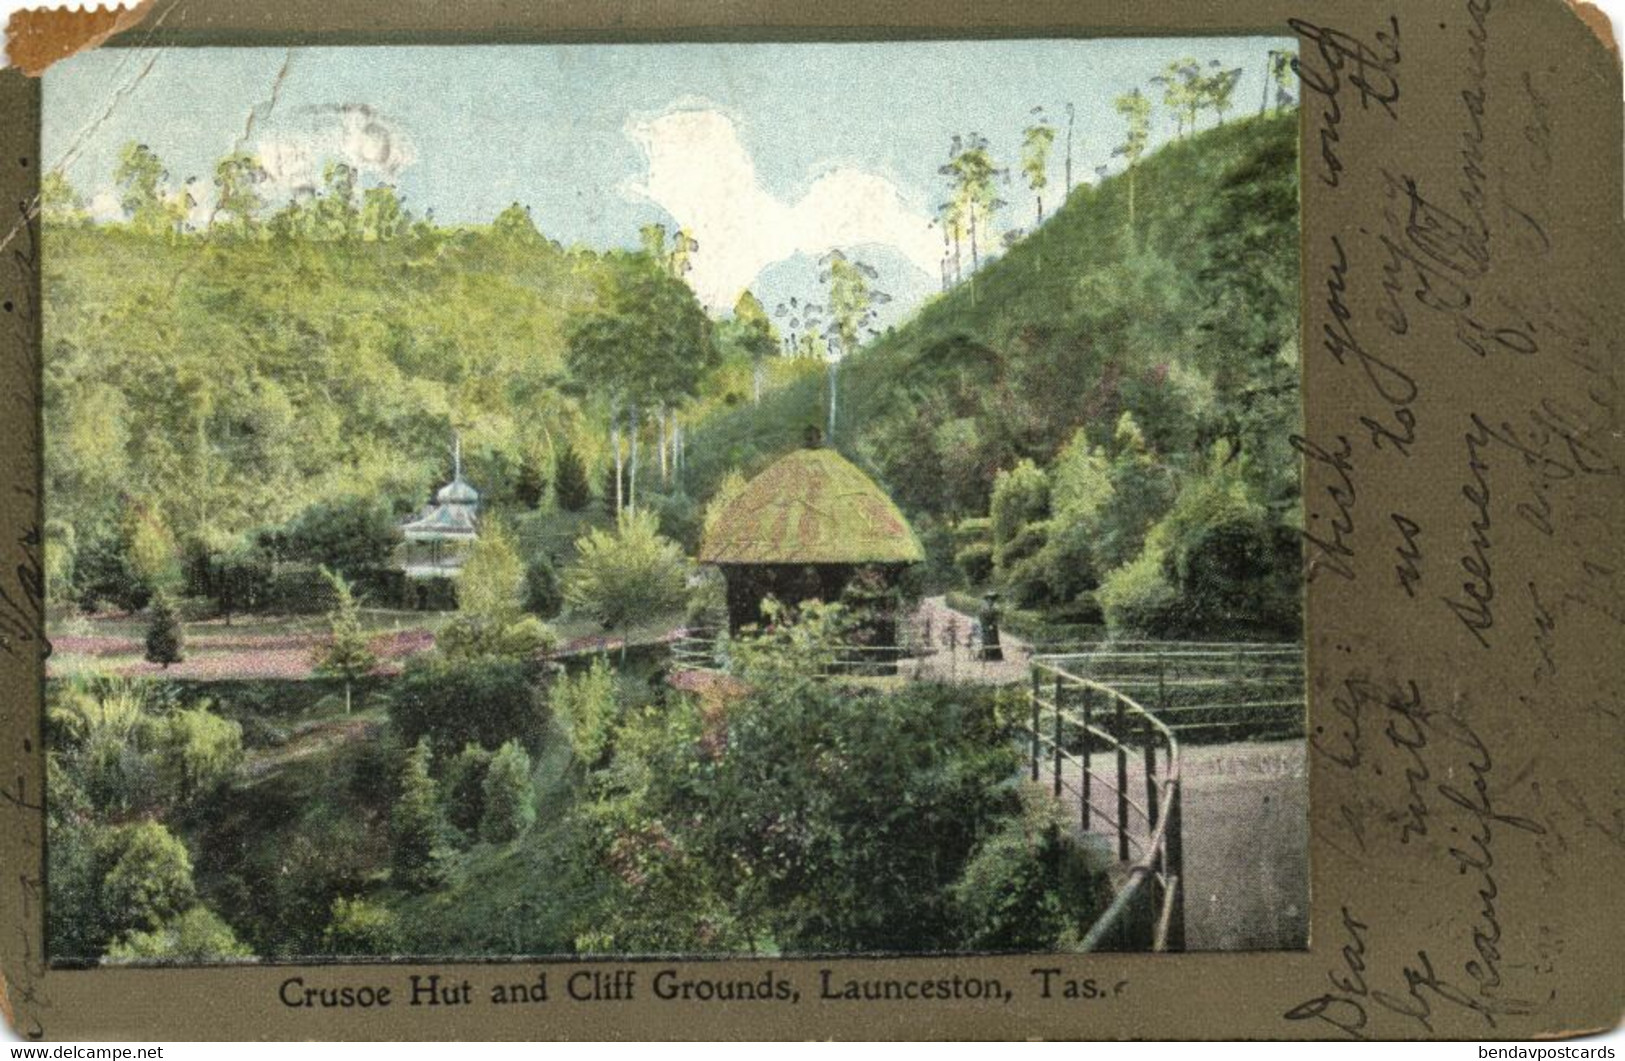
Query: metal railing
pixel 699 653
pixel 1205 692
pixel 1074 720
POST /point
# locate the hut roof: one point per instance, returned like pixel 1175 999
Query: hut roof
pixel 811 507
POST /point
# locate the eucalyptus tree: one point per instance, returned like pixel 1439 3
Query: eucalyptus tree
pixel 1219 86
pixel 852 301
pixel 1036 141
pixel 972 176
pixel 1182 92
pixel 1136 110
pixel 646 340
pixel 673 252
pixel 1281 74
pixel 140 178
pixel 237 196
pixel 1071 119
pixel 753 334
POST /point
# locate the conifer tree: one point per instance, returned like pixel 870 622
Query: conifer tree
pixel 510 800
pixel 570 484
pixel 165 642
pixel 416 830
pixel 347 654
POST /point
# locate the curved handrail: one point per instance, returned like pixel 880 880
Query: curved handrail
pixel 1158 865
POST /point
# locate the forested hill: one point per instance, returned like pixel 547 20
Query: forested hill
pixel 1168 293
pixel 1186 319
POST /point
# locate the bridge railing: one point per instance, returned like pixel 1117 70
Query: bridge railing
pixel 1088 735
pixel 1203 691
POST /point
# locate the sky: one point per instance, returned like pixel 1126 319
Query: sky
pixel 771 154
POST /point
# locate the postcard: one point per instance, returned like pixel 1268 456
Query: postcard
pixel 1041 523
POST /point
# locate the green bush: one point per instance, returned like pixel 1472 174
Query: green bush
pixel 360 927
pixel 975 562
pixel 1028 886
pixel 104 573
pixel 588 709
pixel 510 798
pixel 570 486
pixel 165 641
pixel 464 789
pixel 198 935
pixel 1020 498
pixel 543 595
pixel 452 703
pixel 416 829
pixel 348 535
pixel 1067 560
pixel 1137 599
pixel 148 877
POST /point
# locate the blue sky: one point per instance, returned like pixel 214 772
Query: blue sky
pixel 835 143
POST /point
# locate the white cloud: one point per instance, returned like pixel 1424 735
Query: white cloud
pixel 104 206
pixel 294 155
pixel 702 175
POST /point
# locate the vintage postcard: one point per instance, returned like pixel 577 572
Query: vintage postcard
pixel 586 529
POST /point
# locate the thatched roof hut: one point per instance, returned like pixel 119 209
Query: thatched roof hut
pixel 801 529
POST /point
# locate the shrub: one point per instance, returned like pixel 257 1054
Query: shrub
pixel 570 486
pixel 1020 497
pixel 453 703
pixel 148 879
pixel 631 575
pixel 510 798
pixel 360 927
pixel 1029 886
pixel 198 935
pixel 104 574
pixel 490 621
pixel 464 789
pixel 1137 598
pixel 588 709
pixel 1067 560
pixel 164 636
pixel 543 595
pixel 197 751
pixel 348 654
pixel 415 826
pixel 975 562
pixel 347 534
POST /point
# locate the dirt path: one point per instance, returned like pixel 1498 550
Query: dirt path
pixel 936 623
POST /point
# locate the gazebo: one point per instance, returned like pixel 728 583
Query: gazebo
pixel 801 530
pixel 438 537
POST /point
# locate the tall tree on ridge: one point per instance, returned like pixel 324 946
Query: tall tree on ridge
pixel 1036 141
pixel 1136 109
pixel 851 310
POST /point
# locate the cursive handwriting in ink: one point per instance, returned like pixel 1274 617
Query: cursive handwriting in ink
pixel 1409 551
pixel 1371 70
pixel 1473 605
pixel 1328 541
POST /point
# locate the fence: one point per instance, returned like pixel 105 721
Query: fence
pixel 1204 692
pixel 1074 719
pixel 695 653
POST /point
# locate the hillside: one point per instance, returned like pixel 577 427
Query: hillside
pixel 1066 322
pixel 1184 318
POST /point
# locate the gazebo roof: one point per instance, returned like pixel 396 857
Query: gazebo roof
pixel 441 523
pixel 811 507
